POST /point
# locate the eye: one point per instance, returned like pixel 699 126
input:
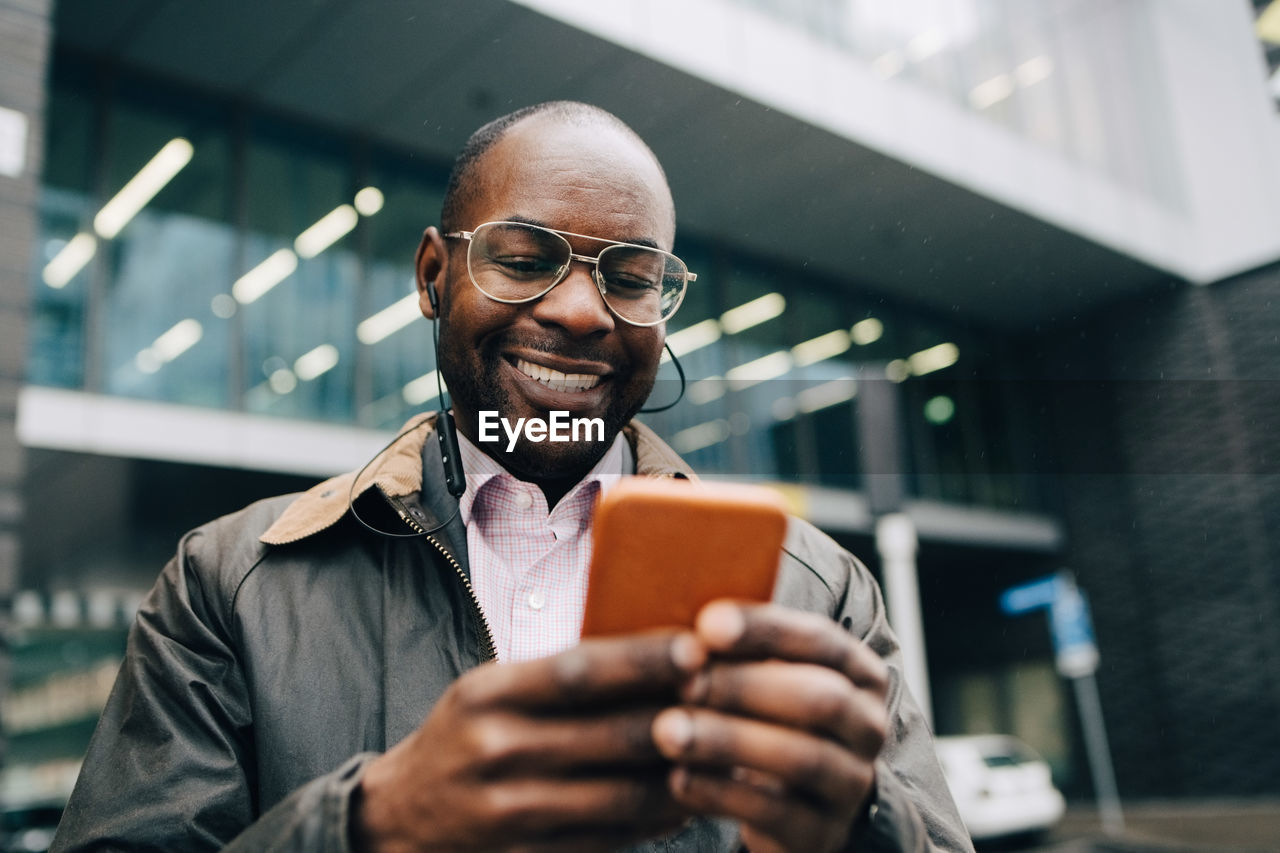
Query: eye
pixel 632 273
pixel 630 285
pixel 526 266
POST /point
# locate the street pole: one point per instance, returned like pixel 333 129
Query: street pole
pixel 879 428
pixel 1099 753
pixel 1076 659
pixel 897 543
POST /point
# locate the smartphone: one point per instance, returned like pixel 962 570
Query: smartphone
pixel 663 548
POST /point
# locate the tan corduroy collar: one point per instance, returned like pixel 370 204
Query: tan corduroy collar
pixel 397 472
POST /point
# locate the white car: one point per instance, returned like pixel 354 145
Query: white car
pixel 1001 786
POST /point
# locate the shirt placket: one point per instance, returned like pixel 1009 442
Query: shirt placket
pixel 528 594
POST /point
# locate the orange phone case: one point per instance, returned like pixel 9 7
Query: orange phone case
pixel 664 548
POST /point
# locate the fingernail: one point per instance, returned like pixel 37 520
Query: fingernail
pixel 721 623
pixel 687 653
pixel 672 731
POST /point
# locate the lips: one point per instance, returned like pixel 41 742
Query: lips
pixel 555 379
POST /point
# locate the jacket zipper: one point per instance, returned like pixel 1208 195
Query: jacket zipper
pixel 490 647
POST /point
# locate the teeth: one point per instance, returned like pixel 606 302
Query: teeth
pixel 556 380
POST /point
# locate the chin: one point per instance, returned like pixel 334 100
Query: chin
pixel 479 384
pixel 542 461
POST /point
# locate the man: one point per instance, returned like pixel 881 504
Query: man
pixel 297 681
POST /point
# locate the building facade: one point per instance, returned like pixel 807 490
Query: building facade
pixel 1046 230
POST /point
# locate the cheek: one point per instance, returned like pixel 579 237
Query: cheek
pixel 645 348
pixel 469 315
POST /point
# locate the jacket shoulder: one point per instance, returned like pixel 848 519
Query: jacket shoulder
pixel 818 574
pixel 218 555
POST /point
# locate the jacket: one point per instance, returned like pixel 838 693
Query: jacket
pixel 285 646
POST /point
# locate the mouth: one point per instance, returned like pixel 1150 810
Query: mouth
pixel 556 380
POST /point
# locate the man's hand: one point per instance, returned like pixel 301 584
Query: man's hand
pixel 555 752
pixel 780 730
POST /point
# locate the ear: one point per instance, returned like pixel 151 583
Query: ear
pixel 430 266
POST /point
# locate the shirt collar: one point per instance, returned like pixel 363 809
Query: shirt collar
pixel 398 472
pixel 480 468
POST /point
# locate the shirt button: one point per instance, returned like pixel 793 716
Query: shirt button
pixel 537 600
pixel 524 500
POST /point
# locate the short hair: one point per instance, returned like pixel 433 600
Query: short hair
pixel 463 186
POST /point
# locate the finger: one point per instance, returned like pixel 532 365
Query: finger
pixel 504 744
pixel 788 823
pixel 593 672
pixel 771 631
pixel 803 696
pixel 812 768
pixel 632 805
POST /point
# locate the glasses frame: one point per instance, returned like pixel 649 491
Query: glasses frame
pixel 574 256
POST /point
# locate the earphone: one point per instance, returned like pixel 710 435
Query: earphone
pixel 455 479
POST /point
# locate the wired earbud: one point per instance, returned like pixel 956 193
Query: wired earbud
pixel 455 480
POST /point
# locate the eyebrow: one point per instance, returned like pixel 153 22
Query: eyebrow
pixel 637 241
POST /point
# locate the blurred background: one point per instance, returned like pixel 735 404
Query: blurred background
pixel 1009 269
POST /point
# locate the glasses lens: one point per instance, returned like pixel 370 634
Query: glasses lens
pixel 642 285
pixel 513 262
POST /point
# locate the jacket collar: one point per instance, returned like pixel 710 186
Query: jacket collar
pixel 397 471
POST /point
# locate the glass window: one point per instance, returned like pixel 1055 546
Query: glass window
pixel 395 339
pixel 299 275
pixel 1077 77
pixel 698 424
pixel 162 336
pixel 756 356
pixel 814 418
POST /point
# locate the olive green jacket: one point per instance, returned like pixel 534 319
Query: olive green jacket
pixel 285 646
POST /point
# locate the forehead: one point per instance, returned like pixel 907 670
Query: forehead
pixel 588 179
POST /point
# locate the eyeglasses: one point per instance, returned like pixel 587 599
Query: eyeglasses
pixel 516 262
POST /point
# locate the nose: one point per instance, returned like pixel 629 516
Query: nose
pixel 575 304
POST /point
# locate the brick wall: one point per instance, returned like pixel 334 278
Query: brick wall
pixel 1164 411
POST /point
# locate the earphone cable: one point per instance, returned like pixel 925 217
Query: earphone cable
pixel 351 490
pixel 679 372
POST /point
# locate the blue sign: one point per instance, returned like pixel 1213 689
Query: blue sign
pixel 1075 652
pixel 1072 628
pixel 1030 596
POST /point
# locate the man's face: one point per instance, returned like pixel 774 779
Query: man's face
pixel 513 359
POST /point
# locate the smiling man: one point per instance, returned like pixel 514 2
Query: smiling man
pixel 379 665
pixel 539 190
